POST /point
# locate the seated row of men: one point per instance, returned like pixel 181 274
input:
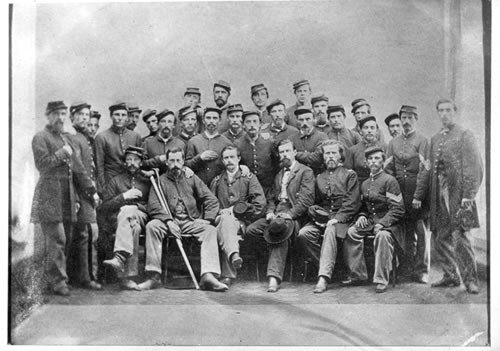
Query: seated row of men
pixel 287 172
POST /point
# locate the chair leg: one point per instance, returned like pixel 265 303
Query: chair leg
pixel 394 269
pixel 164 256
pixel 257 271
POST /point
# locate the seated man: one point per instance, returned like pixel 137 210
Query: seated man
pixel 381 214
pixel 286 207
pixel 125 201
pixel 337 194
pixel 185 199
pixel 242 201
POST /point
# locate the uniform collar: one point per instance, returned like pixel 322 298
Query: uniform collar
pixel 376 175
pixel 409 134
pixel 164 141
pixel 118 130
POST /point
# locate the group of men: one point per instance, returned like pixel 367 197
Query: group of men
pixel 266 178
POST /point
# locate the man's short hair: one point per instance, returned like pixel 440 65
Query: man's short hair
pixel 230 147
pixel 175 150
pixel 340 146
pixel 446 101
pixel 284 142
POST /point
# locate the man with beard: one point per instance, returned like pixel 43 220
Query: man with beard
pixel 155 148
pixel 134 112
pixel 320 106
pixel 355 157
pixel 151 120
pixel 86 226
pixel 192 101
pixel 242 201
pixel 125 203
pixel 457 173
pixel 93 125
pixel 110 146
pixel 260 95
pixel 339 132
pixel 408 161
pixel 360 110
pixel 286 209
pixel 189 124
pixel 278 129
pixel 222 90
pixel 54 202
pixel 186 198
pixel 308 141
pixel 203 150
pixel 235 131
pixel 393 124
pixel 302 91
pixel 337 192
pixel 381 214
pixel 257 151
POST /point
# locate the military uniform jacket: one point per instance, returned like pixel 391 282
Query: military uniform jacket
pixel 186 137
pixel 224 121
pixel 245 189
pixel 54 199
pixel 309 150
pixel 300 191
pixel 347 137
pixel 383 204
pixel 84 146
pixel 278 134
pixel 408 161
pixel 355 160
pixel 150 135
pixel 234 137
pixel 260 158
pixel 110 153
pixel 193 193
pixel 455 153
pixel 206 170
pixel 156 146
pixel 290 117
pixel 338 193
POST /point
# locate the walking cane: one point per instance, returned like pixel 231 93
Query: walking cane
pixel 163 203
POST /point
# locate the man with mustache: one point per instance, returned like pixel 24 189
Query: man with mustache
pixel 260 96
pixel 86 227
pixel 355 157
pixel 242 201
pixel 287 207
pixel 408 161
pixel 339 132
pixel 360 110
pixel 189 124
pixel 456 175
pixel 151 120
pixel 222 91
pixel 381 215
pixel 134 112
pixel 111 144
pixel 308 141
pixel 337 192
pixel 187 198
pixel 278 129
pixel 393 124
pixel 155 148
pixel 125 201
pixel 235 131
pixel 302 91
pixel 203 150
pixel 54 203
pixel 320 106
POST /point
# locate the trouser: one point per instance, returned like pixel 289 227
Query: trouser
pixel 130 223
pixel 417 251
pixel 228 240
pixel 57 236
pixel 84 270
pixel 355 259
pixel 205 233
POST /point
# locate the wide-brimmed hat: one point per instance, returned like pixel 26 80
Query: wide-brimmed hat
pixel 279 230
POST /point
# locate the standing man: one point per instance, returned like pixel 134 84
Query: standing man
pixel 54 204
pixel 124 204
pixel 302 91
pixel 86 225
pixel 234 115
pixel 381 215
pixel 337 193
pixel 151 120
pixel 242 201
pixel 111 145
pixel 360 110
pixel 457 173
pixel 393 124
pixel 278 129
pixel 308 141
pixel 339 132
pixel 188 124
pixel 408 161
pixel 186 198
pixel 203 150
pixel 286 211
pixel 93 125
pixel 222 91
pixel 260 96
pixel 134 112
pixel 320 106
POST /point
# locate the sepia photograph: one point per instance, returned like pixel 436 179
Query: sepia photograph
pixel 250 173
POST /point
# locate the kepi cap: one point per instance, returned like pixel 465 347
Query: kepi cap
pixel 234 108
pixel 139 151
pixel 358 103
pixel 223 84
pixel 335 108
pixel 389 118
pixel 118 106
pixel 132 107
pixel 408 109
pixel 95 114
pixel 319 97
pixel 212 109
pixel 300 83
pixel 192 91
pixel 77 106
pixel 250 113
pixel 148 113
pixel 54 106
pixel 256 88
pixel 273 103
pixel 367 119
pixel 373 149
pixel 164 113
pixel 302 110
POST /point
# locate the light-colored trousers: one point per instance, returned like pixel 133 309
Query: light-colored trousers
pixel 229 242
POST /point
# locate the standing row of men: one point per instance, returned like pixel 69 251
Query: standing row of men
pixel 264 177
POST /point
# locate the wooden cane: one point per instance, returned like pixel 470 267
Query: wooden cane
pixel 163 203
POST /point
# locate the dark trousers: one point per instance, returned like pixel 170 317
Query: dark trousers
pixel 84 246
pixel 58 238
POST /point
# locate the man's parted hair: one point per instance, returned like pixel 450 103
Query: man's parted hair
pixel 285 141
pixel 230 147
pixel 340 146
